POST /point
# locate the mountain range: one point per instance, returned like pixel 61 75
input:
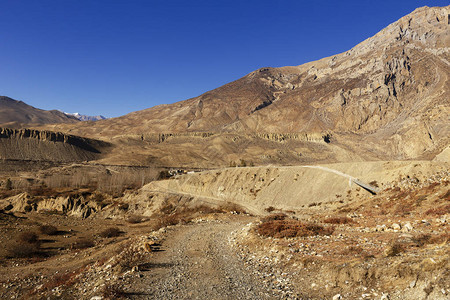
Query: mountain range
pixel 86 117
pixel 386 98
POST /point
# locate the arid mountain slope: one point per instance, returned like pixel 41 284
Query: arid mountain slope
pixel 389 94
pixel 14 113
pixel 387 98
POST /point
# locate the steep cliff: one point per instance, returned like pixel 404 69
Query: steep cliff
pixel 27 144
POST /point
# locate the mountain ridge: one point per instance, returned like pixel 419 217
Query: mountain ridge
pixel 15 113
pixel 387 97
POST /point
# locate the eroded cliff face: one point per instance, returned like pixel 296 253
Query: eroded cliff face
pixel 27 144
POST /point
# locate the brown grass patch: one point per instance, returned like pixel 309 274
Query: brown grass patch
pixel 291 228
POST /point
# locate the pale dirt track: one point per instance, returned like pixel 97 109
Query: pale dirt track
pixel 198 262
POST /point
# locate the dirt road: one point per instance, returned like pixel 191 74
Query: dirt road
pixel 198 262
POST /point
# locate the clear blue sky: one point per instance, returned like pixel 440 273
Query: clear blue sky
pixel 112 57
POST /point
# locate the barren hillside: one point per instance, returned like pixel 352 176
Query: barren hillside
pixel 389 96
pixel 14 113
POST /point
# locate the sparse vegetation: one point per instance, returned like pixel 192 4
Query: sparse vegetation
pixel 110 232
pixel 26 245
pixel 394 249
pixel 129 258
pixel 269 209
pixel 17 249
pixel 113 291
pixel 29 237
pixel 83 243
pixel 374 183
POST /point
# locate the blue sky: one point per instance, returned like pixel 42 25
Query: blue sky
pixel 112 57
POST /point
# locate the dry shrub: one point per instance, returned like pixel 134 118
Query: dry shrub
pixel 425 239
pixel 172 219
pixel 29 237
pixel 17 249
pixel 269 209
pixel 394 249
pixel 27 244
pixel 83 243
pixel 439 211
pixel 110 232
pixel 421 239
pixel 374 183
pixel 338 220
pixel 113 291
pixel 134 219
pixel 272 217
pixel 129 258
pixel 48 229
pixel 291 228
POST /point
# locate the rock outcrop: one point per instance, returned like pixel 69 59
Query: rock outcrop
pixel 27 144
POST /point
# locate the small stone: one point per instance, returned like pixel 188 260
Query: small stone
pixel 407 227
pixel 396 226
pixel 337 297
pixel 384 297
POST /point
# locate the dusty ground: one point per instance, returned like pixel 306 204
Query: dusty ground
pixel 198 262
pixel 393 245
